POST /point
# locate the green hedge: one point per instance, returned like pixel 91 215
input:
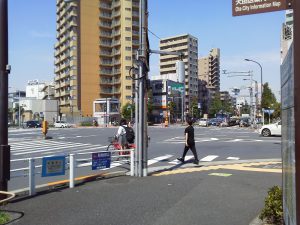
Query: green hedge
pixel 273 210
pixel 86 124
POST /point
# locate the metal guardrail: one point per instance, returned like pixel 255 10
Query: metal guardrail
pixel 9 194
pixel 72 163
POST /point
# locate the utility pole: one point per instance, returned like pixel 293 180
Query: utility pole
pixel 4 71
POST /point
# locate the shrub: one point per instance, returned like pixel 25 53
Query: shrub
pixel 273 210
pixel 4 218
pixel 86 124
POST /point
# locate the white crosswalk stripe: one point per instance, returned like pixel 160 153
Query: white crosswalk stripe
pixel 209 158
pixel 175 162
pixel 44 147
pixel 158 159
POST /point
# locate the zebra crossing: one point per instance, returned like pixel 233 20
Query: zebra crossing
pixel 40 148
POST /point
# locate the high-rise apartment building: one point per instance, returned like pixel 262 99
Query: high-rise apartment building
pixel 96 41
pixel 188 45
pixel 209 70
pixel 287 33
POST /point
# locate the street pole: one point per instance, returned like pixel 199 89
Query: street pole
pixel 4 71
pixel 19 111
pixel 261 85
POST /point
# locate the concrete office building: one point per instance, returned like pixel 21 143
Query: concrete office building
pixel 188 45
pixel 209 70
pixel 96 41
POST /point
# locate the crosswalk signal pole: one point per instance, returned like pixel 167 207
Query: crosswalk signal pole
pixel 4 71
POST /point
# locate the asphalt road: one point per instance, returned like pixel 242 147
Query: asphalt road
pixel 213 144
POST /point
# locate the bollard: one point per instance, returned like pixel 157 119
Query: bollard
pixel 31 176
pixel 72 170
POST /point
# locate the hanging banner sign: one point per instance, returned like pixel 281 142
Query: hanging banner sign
pixel 247 7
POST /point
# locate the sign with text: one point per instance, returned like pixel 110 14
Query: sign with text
pixel 53 166
pixel 101 160
pixel 246 7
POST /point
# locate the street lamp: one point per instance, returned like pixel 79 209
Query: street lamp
pixel 261 81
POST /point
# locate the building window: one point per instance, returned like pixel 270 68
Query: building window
pixel 128 9
pixel 128 38
pixel 128 18
pixel 128 58
pixel 128 78
pixel 128 48
pixel 128 87
pixel 128 28
pixel 127 67
pixel 128 97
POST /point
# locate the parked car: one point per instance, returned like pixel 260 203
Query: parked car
pixel 61 124
pixel 271 129
pixel 214 122
pixel 32 124
pixel 203 122
pixel 245 122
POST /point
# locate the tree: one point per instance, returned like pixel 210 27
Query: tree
pixel 215 105
pixel 126 110
pixel 194 108
pixel 171 108
pixel 269 101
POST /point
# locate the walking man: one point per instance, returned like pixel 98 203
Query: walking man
pixel 189 142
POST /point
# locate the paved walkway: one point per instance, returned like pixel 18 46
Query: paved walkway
pixel 209 195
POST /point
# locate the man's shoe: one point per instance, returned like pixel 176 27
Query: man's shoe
pixel 180 159
pixel 196 162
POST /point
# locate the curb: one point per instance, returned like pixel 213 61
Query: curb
pixel 65 183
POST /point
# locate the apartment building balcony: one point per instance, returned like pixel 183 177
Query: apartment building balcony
pixel 168 69
pixel 106 62
pixel 116 23
pixel 57 95
pixel 106 72
pixel 106 53
pixel 62 102
pixel 62 12
pixel 106 91
pixel 105 6
pixel 116 13
pixel 135 5
pixel 72 23
pixel 135 24
pixel 57 78
pixel 116 4
pixel 116 71
pixel 116 52
pixel 135 43
pixel 116 33
pixel 57 69
pixel 106 44
pixel 106 82
pixel 72 13
pixel 116 62
pixel 116 43
pixel 106 15
pixel 106 34
pixel 64 93
pixel 135 14
pixel 135 33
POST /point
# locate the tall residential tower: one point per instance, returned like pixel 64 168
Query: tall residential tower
pixel 188 45
pixel 96 41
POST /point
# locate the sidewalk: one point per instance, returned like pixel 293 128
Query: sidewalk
pixel 194 196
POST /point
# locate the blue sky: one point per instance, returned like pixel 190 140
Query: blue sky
pixel 32 36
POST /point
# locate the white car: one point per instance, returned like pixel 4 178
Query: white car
pixel 271 129
pixel 61 124
pixel 203 122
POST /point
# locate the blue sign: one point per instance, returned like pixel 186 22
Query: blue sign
pixel 269 111
pixel 53 166
pixel 101 160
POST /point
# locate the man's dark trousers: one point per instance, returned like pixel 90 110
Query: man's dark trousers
pixel 193 149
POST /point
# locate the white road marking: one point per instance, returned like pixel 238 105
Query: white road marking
pixel 157 159
pixel 235 140
pixel 233 158
pixel 214 139
pixel 175 162
pixel 209 158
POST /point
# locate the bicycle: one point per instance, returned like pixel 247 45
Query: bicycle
pixel 115 148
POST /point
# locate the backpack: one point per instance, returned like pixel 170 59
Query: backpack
pixel 129 134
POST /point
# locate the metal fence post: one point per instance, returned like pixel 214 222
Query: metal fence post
pixel 31 176
pixel 132 162
pixel 72 170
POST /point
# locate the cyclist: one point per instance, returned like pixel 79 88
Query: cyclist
pixel 121 134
